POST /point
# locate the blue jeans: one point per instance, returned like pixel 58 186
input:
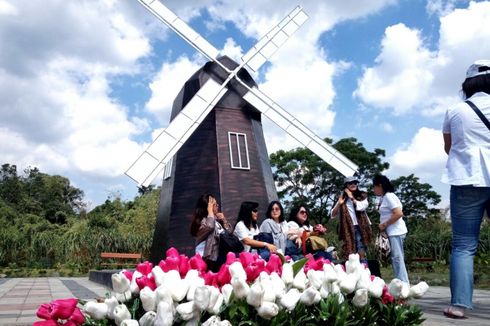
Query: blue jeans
pixel 398 257
pixel 467 205
pixel 358 241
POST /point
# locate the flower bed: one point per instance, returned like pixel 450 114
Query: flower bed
pixel 246 291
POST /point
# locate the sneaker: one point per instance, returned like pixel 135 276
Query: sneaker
pixel 454 312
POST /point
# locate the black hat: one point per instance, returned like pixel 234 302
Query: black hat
pixel 251 205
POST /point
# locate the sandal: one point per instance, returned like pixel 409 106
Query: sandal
pixel 454 312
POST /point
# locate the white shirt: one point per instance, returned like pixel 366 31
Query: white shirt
pixel 361 205
pixel 389 202
pixel 242 232
pixel 468 162
pixel 292 225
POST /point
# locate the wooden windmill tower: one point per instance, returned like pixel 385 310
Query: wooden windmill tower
pixel 214 142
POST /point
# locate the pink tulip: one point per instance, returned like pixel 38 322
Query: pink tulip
pixel 387 297
pixel 172 252
pixel 198 263
pixel 231 258
pixel 63 309
pixel 49 322
pixel 128 274
pixel 253 270
pixel 274 264
pixel 44 311
pixel 224 275
pixel 246 258
pixel 210 278
pixel 172 263
pixel 184 266
pixel 144 268
pixel 146 281
pixel 69 323
pixel 77 317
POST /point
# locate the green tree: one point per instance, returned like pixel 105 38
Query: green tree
pixel 302 177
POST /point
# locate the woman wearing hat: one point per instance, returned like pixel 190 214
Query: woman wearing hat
pixel 354 225
pixel 246 228
pixel 467 143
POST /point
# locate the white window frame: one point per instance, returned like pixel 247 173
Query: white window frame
pixel 240 165
pixel 167 170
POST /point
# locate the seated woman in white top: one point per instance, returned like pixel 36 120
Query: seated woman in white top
pixel 276 225
pixel 246 228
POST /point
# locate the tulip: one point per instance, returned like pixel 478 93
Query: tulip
pixel 44 311
pixel 213 296
pixel 376 287
pixel 121 313
pixel 310 296
pixel 148 299
pixel 330 273
pixel 253 270
pixel 266 283
pixel 164 316
pixel 360 298
pixel 129 322
pixel 240 287
pixel 144 268
pixel 123 297
pixel 335 288
pixel 171 264
pixel 226 290
pixel 178 287
pixel 148 319
pixel 386 297
pixel 348 284
pixel 96 310
pixel 255 295
pixel 340 297
pixel 63 308
pixel 216 308
pixel 128 274
pixel 194 282
pixel 405 290
pixel 268 310
pixel 77 317
pixel 134 286
pixel 159 275
pixel 364 281
pixel 290 299
pixel 120 282
pixel 198 263
pixel 246 258
pixel 287 273
pixel 172 252
pixel 163 295
pixel 237 271
pixel 352 265
pixel 274 264
pixel 315 278
pixel 148 281
pixel 212 321
pixel 201 298
pixel 49 322
pixel 210 278
pixel 417 291
pixel 324 292
pixel 224 275
pixel 187 310
pixel 299 281
pixel 341 274
pixel 184 266
pixel 111 304
pixel 278 286
pixel 231 258
pixel 395 288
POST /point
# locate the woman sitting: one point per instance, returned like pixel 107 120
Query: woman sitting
pixel 246 228
pixel 276 225
pixel 206 226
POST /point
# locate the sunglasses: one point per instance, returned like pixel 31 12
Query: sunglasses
pixel 275 209
pixel 255 210
pixel 352 183
pixel 303 212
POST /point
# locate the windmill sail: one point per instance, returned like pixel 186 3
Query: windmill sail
pixel 152 161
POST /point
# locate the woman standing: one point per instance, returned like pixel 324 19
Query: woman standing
pixel 391 213
pixel 206 226
pixel 467 143
pixel 246 228
pixel 354 225
pixel 276 225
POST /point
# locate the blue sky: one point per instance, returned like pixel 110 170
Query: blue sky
pixel 85 85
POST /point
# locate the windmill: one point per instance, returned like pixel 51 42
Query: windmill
pixel 214 142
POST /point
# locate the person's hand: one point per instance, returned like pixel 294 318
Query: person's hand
pixel 298 242
pixel 211 203
pixel 220 217
pixel 341 199
pixel 349 193
pixel 271 247
pixel 382 227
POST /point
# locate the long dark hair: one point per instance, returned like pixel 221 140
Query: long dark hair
pixel 245 214
pixel 293 215
pixel 477 84
pixel 384 182
pixel 200 212
pixel 269 210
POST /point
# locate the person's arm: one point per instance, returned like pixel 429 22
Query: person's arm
pixel 265 226
pixel 205 229
pixel 335 209
pixel 447 142
pixel 361 205
pixel 259 244
pixel 396 214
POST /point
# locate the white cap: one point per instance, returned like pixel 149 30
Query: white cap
pixel 475 69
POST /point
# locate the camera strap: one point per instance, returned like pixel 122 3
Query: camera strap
pixel 478 113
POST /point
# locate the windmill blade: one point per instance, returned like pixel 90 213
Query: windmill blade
pixel 300 132
pixel 181 28
pixel 273 40
pixel 163 148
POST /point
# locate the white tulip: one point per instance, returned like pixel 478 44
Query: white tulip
pixel 212 321
pixel 268 310
pixel 216 308
pixel 330 273
pixel 278 286
pixel 148 319
pixel 417 291
pixel 300 279
pixel 201 298
pixel 341 274
pixel 340 297
pixel 266 283
pixel 376 287
pixel 227 289
pixel 255 295
pixel 395 288
pixel 158 275
pixel 213 296
pixel 194 281
pixel 290 299
pixel 148 299
pixel 240 288
pixel 353 265
pixel 324 292
pixel 111 304
pixel 287 273
pixel 364 281
pixel 120 282
pixel 187 310
pixel 316 278
pixel 178 287
pixel 192 322
pixel 237 271
pixel 360 298
pixel 165 315
pixel 405 290
pixel 225 323
pixel 134 286
pixel 310 296
pixel 335 288
pixel 163 295
pixel 123 297
pixel 130 322
pixel 121 313
pixel 348 284
pixel 96 310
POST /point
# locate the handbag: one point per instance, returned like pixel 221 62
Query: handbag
pixel 228 242
pixel 382 246
pixel 264 237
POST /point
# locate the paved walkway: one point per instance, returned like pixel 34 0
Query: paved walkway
pixel 20 298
